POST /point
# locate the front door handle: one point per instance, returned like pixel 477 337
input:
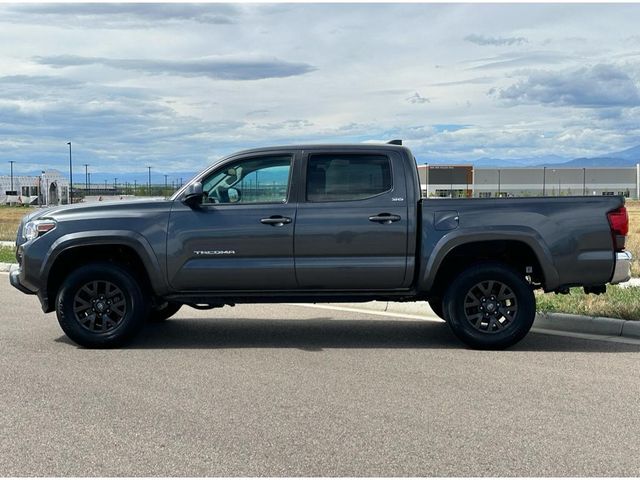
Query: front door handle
pixel 384 218
pixel 275 220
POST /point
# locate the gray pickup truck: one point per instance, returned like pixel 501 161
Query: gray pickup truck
pixel 319 223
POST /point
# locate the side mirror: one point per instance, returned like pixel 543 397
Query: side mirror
pixel 193 195
pixel 234 195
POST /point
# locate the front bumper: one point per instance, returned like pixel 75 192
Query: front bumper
pixel 622 270
pixel 14 278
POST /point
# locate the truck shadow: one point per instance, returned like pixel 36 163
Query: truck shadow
pixel 320 333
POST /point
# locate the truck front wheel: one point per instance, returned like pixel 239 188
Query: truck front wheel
pixel 490 306
pixel 100 305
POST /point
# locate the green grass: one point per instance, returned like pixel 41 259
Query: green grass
pixel 618 302
pixel 7 255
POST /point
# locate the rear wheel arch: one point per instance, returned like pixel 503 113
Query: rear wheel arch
pixel 516 254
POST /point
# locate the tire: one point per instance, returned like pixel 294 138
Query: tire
pixel 169 309
pixel 490 306
pixel 101 305
pixel 436 306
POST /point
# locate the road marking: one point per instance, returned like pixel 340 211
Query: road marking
pixel 366 311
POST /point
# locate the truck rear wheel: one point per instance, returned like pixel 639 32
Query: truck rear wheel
pixel 168 310
pixel 490 306
pixel 435 303
pixel 100 305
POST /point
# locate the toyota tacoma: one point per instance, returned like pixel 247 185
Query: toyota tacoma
pixel 317 223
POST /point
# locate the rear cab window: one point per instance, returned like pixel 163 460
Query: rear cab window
pixel 334 177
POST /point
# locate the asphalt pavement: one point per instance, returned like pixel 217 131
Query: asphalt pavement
pixel 284 390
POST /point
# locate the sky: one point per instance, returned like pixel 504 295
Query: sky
pixel 177 86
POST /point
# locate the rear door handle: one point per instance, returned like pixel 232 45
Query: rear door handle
pixel 275 220
pixel 384 218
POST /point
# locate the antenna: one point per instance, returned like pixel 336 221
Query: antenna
pixel 395 142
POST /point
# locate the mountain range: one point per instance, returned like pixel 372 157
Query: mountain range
pixel 624 158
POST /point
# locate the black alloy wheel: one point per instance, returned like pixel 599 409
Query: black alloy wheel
pixel 490 306
pixel 101 305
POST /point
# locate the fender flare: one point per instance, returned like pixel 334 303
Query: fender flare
pixel 528 236
pixel 126 238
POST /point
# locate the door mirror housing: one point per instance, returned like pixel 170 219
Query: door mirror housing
pixel 234 195
pixel 193 195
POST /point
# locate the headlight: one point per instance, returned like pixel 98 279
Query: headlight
pixel 37 227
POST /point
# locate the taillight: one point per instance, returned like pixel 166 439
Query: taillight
pixel 619 223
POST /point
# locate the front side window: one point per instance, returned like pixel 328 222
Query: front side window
pixel 252 180
pixel 340 177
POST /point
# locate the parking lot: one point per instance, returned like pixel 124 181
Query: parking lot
pixel 286 390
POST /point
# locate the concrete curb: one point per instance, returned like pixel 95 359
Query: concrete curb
pixel 5 267
pixel 563 322
pixel 610 327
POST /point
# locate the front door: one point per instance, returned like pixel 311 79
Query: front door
pixel 241 237
pixel 351 226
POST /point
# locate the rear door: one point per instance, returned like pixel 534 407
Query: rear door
pixel 241 237
pixel 351 225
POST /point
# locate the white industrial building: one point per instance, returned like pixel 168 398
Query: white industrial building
pixel 466 181
pixel 51 187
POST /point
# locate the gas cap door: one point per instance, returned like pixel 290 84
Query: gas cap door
pixel 446 220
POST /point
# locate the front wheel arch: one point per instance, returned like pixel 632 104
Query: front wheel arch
pixel 74 257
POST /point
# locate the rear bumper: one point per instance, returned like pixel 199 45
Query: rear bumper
pixel 14 278
pixel 622 270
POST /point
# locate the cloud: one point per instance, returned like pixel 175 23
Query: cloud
pixel 222 68
pixel 495 41
pixel 528 59
pixel 123 13
pixel 601 86
pixel 416 98
pixel 470 81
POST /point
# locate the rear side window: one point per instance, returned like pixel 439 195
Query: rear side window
pixel 340 177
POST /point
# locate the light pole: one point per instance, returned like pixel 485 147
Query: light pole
pixel 499 194
pixel 554 171
pixel 12 162
pixel 426 179
pixel 40 189
pixel 584 181
pixel 89 179
pixel 135 187
pixel 86 176
pixel 559 183
pixel 149 182
pixel 70 176
pixel 544 181
pixel 165 181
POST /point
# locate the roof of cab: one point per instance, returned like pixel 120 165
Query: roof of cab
pixel 325 146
